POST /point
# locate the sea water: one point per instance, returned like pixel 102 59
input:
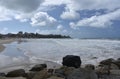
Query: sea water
pixel 91 51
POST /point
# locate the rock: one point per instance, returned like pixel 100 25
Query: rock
pixel 2 74
pixel 90 66
pixel 51 71
pixel 54 77
pixel 43 74
pixel 107 61
pixel 71 61
pixel 81 73
pixel 60 72
pixel 117 62
pixel 30 75
pixel 103 69
pixel 114 67
pixel 12 78
pixel 63 71
pixel 118 59
pixel 115 72
pixel 16 73
pixel 39 67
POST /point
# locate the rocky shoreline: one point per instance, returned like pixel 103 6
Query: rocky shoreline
pixel 71 69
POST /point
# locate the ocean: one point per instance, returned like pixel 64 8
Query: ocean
pixel 91 51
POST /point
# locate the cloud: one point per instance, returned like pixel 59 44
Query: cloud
pixel 4 16
pixel 43 19
pixel 60 27
pixel 70 15
pixel 21 10
pixel 104 20
pixel 21 5
pixel 73 6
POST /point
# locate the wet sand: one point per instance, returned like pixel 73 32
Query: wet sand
pixel 5 41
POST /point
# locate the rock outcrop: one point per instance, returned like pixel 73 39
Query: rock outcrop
pixel 16 73
pixel 71 61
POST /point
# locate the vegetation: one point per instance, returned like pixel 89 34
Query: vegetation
pixel 31 35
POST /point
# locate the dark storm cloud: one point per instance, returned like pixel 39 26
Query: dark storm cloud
pixel 21 5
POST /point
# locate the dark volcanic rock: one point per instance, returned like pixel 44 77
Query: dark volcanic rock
pixel 16 73
pixel 39 67
pixel 71 61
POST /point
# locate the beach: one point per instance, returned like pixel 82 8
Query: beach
pixel 5 41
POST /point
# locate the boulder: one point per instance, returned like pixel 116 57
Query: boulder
pixel 16 73
pixel 114 67
pixel 30 75
pixel 90 66
pixel 2 74
pixel 51 71
pixel 117 62
pixel 63 71
pixel 43 74
pixel 103 70
pixel 115 72
pixel 71 61
pixel 54 77
pixel 118 59
pixel 59 72
pixel 81 73
pixel 12 78
pixel 39 67
pixel 107 61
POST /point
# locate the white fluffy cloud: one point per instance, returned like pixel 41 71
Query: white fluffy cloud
pixel 104 20
pixel 78 5
pixel 43 19
pixel 70 15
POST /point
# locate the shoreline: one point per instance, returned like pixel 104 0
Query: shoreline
pixel 5 41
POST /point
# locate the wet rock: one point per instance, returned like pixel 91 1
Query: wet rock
pixel 12 78
pixel 107 61
pixel 71 61
pixel 81 73
pixel 2 74
pixel 60 72
pixel 90 66
pixel 54 77
pixel 103 69
pixel 30 75
pixel 118 59
pixel 117 62
pixel 51 71
pixel 39 67
pixel 115 72
pixel 43 74
pixel 114 67
pixel 16 73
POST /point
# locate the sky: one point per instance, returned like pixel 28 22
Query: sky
pixel 76 18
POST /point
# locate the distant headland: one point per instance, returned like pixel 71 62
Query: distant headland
pixel 20 34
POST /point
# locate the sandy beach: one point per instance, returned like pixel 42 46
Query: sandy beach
pixel 5 41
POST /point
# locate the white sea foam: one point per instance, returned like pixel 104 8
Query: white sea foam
pixel 90 51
